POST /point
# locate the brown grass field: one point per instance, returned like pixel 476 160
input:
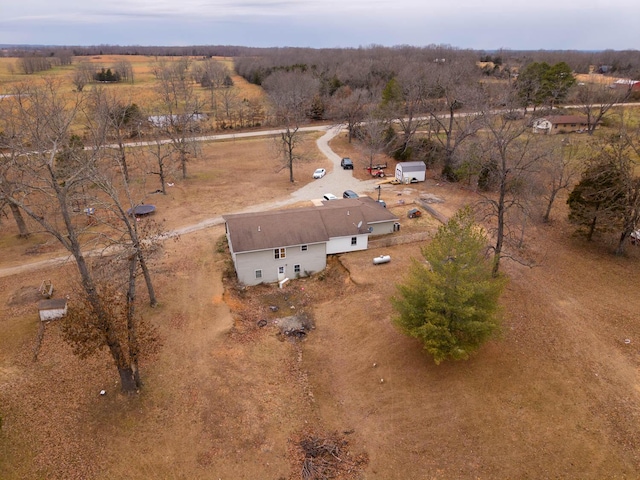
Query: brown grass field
pixel 556 396
pixel 142 89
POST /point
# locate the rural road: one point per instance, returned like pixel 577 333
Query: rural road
pixel 335 181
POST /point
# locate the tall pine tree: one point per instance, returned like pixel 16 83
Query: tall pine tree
pixel 450 303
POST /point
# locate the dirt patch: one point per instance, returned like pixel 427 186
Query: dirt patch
pixel 26 295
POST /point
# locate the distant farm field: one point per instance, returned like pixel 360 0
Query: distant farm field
pixel 141 90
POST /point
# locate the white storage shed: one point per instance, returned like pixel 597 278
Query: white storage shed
pixel 409 172
pixel 52 309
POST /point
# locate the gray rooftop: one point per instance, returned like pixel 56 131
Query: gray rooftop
pixel 303 226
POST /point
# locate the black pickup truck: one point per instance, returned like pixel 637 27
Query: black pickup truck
pixel 346 163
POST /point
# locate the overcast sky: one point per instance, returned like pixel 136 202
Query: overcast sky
pixel 477 24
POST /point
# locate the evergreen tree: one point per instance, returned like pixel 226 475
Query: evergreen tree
pixel 557 81
pixel 451 303
pixel 530 84
pixel 597 202
pixel 540 82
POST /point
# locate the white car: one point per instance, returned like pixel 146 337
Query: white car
pixel 329 196
pixel 319 173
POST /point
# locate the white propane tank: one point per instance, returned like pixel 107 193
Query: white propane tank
pixel 382 259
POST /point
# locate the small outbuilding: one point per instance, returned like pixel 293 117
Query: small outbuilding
pixel 560 124
pixel 52 309
pixel 411 172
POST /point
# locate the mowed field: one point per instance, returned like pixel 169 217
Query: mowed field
pixel 557 395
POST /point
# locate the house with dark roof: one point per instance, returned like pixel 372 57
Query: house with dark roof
pixel 268 247
pixel 560 124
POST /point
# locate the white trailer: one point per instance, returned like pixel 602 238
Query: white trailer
pixel 410 172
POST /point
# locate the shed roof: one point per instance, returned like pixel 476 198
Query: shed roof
pixel 412 166
pixel 52 304
pixel 302 226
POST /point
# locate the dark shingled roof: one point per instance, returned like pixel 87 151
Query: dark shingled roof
pixel 302 226
pixel 52 304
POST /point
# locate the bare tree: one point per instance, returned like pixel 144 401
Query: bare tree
pixel 64 56
pixel 451 89
pixel 125 234
pixel 114 120
pixel 410 115
pixel 373 133
pixel 55 174
pixel 181 109
pixel 162 155
pixel 31 64
pixel 596 99
pixel 291 94
pixel 211 75
pixel 9 187
pixel 83 75
pixel 350 106
pixel 125 70
pixel 510 160
pixel 559 172
pixel 230 104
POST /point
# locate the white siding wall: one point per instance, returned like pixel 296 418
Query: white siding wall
pixel 313 260
pixel 382 228
pixel 343 244
pixel 53 314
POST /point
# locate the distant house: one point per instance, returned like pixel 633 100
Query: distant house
pixel 52 309
pixel 411 172
pixel 268 247
pixel 162 121
pixel 560 124
pixel 626 85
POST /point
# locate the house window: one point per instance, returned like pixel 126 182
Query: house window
pixel 304 248
pixel 258 273
pixel 354 240
pixel 281 270
pixel 279 253
pixel 296 269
